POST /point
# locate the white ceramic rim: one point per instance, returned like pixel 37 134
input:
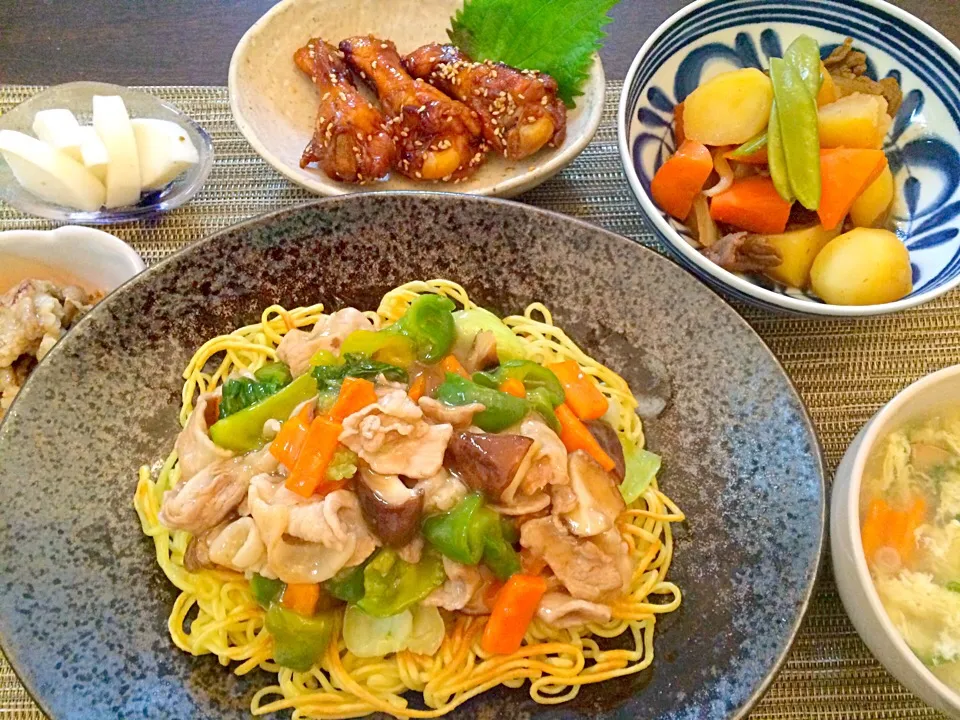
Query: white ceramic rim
pixel 71 233
pixel 505 188
pixel 852 523
pixel 676 241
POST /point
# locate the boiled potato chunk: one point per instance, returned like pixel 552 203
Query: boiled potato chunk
pixel 854 121
pixel 728 109
pixel 798 248
pixel 862 267
pixel 870 209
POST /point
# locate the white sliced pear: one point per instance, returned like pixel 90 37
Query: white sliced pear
pixel 50 174
pixel 165 150
pixel 112 123
pixel 59 129
pixel 93 153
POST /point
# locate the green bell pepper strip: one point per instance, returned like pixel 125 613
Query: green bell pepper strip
pixel 502 410
pixel 243 431
pixel 797 111
pixel 240 393
pixel 456 533
pixel 641 467
pixel 776 160
pixel 804 56
pixel 391 585
pixel 471 533
pixel 529 373
pixel 347 584
pixel 329 377
pixel 387 345
pixel 953 586
pixel 499 555
pixel 428 322
pixel 299 642
pixel 750 147
pixel 539 400
pixel 266 591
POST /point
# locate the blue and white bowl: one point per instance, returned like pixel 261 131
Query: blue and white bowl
pixel 923 146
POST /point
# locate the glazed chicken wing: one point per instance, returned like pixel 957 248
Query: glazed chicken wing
pixel 519 109
pixel 437 137
pixel 351 140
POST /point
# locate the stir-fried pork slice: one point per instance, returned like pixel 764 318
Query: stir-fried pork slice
pixel 520 109
pixel 599 501
pixel 351 141
pixel 308 540
pixel 612 544
pixel 393 438
pixel 298 346
pixel 549 463
pixel 390 508
pixel 461 584
pixel 197 555
pixel 204 500
pixel 238 547
pixel 460 416
pixel 562 611
pixel 194 447
pixel 587 572
pixel 412 551
pixel 485 461
pixel 524 504
pixel 441 491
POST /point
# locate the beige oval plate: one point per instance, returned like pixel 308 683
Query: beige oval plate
pixel 275 104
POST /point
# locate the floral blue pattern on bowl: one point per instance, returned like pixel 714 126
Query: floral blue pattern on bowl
pixel 923 145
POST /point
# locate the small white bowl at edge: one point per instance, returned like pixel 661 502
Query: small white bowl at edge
pixel 853 579
pixel 97 259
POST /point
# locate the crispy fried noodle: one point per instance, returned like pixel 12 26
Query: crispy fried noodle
pixel 216 613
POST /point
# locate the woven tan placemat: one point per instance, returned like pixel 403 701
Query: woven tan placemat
pixel 845 370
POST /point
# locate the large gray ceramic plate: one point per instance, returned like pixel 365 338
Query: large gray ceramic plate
pixel 83 606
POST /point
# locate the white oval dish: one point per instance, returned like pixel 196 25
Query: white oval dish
pixel 275 105
pixel 853 579
pixel 99 260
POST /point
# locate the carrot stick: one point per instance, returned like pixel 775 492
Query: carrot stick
pixel 844 174
pixel 450 364
pixel 514 387
pixel 286 445
pixel 310 470
pixel 581 391
pixel 752 204
pixel 355 394
pixel 679 179
pixel 417 387
pixel 576 436
pixel 301 597
pixel 513 609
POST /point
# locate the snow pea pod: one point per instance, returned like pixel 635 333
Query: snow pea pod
pixel 797 113
pixel 804 56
